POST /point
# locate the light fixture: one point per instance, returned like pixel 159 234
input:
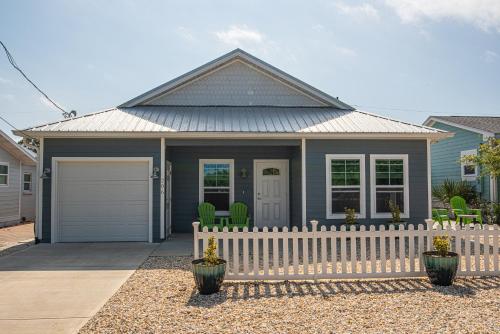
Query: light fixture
pixel 46 173
pixel 244 173
pixel 156 172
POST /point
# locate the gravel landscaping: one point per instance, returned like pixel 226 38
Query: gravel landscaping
pixel 161 297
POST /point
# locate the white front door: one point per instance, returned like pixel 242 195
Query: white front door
pixel 271 193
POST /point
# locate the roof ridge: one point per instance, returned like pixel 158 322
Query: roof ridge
pixel 69 119
pixel 397 120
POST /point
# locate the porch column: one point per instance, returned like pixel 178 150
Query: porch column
pixel 429 180
pixel 303 179
pixel 162 188
pixel 39 189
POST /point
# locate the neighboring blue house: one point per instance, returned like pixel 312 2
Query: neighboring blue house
pixel 234 129
pixel 470 132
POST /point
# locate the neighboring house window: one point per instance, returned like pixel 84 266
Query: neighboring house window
pixel 389 182
pixel 469 171
pixel 217 183
pixel 345 185
pixel 27 183
pixel 4 174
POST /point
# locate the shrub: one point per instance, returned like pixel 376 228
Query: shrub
pixel 350 216
pixel 449 188
pixel 491 212
pixel 210 255
pixel 441 244
pixel 395 212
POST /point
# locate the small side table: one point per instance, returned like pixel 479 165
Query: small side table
pixel 473 217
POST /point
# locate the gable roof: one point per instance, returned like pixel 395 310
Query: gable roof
pixel 486 125
pixel 16 150
pixel 248 59
pixel 233 121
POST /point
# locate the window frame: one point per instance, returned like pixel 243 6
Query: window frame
pixel 8 174
pixel 468 177
pixel 329 186
pixel 405 213
pixel 201 185
pixel 30 191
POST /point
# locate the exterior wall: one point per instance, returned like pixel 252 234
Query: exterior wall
pixel 236 84
pixel 9 195
pixel 316 174
pixel 185 174
pixel 100 148
pixel 445 156
pixel 28 199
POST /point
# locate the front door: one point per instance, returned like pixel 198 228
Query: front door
pixel 271 193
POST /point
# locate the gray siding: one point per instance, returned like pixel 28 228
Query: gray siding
pixel 9 195
pixel 185 174
pixel 28 199
pixel 316 188
pixel 100 148
pixel 236 84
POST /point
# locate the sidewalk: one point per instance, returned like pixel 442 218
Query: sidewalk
pixel 14 238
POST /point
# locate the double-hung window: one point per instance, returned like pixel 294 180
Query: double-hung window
pixel 4 174
pixel 469 170
pixel 345 185
pixel 216 183
pixel 389 183
pixel 27 183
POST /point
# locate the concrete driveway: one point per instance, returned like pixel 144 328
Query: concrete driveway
pixel 57 288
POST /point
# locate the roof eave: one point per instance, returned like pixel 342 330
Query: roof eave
pixel 432 119
pixel 16 150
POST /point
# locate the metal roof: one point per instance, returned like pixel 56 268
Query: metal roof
pixel 227 119
pixel 9 145
pixel 489 124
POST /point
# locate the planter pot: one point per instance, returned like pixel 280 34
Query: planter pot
pixel 441 269
pixel 396 226
pixel 208 278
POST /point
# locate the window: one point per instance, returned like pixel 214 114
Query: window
pixel 217 183
pixel 389 182
pixel 27 184
pixel 4 174
pixel 271 171
pixel 469 171
pixel 345 185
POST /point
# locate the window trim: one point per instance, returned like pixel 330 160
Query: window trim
pixel 30 191
pixel 201 187
pixel 328 184
pixel 8 174
pixel 468 177
pixel 373 186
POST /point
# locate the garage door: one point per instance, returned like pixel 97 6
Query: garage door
pixel 102 201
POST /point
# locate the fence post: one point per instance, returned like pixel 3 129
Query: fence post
pixel 430 225
pixel 314 229
pixel 196 226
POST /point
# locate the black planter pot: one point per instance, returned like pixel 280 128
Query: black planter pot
pixel 208 278
pixel 441 269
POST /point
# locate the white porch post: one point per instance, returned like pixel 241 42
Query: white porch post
pixel 429 180
pixel 39 189
pixel 303 178
pixel 162 189
pixel 493 189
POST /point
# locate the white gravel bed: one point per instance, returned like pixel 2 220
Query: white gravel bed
pixel 161 297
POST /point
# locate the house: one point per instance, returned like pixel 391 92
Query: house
pixel 470 132
pixel 234 129
pixel 17 186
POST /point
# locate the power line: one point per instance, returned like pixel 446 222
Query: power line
pixel 13 63
pixel 12 126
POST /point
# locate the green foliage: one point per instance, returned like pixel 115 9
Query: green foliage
pixel 395 212
pixel 449 188
pixel 488 157
pixel 491 212
pixel 350 216
pixel 441 244
pixel 210 254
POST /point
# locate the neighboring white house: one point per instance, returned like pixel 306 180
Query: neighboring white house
pixel 17 186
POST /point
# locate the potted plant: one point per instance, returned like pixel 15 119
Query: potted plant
pixel 441 265
pixel 350 218
pixel 209 271
pixel 395 216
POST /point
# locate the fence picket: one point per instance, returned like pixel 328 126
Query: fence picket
pixel 362 245
pixel 486 247
pixel 467 239
pixel 420 240
pixel 383 260
pixel 285 252
pixel 352 233
pixel 245 251
pixel 295 250
pixel 265 251
pixel 236 252
pixel 392 248
pixel 411 247
pixel 276 251
pixel 255 251
pixel 373 250
pixel 477 249
pixel 343 250
pixel 305 250
pixel 225 243
pixel 496 246
pixel 333 244
pixel 402 249
pixel 324 259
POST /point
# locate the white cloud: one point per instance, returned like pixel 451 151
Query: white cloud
pixel 364 10
pixel 490 56
pixel 49 104
pixel 7 97
pixel 240 36
pixel 484 14
pixel 348 52
pixel 185 34
pixel 4 81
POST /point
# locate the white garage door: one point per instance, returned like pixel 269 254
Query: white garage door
pixel 102 201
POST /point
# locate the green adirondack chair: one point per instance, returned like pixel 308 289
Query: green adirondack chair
pixel 206 212
pixel 440 215
pixel 238 216
pixel 459 208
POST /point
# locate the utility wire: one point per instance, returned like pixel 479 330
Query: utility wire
pixel 12 126
pixel 13 63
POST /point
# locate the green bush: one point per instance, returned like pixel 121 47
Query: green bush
pixel 449 188
pixel 350 216
pixel 395 212
pixel 441 244
pixel 210 255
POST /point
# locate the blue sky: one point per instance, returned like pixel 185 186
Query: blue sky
pixel 405 59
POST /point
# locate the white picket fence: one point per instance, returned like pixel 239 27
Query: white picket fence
pixel 310 253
